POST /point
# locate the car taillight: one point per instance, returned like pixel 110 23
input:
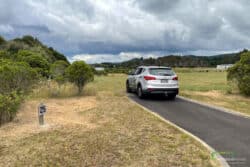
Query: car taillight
pixel 175 78
pixel 147 78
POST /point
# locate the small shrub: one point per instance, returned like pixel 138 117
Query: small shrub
pixel 9 105
pixel 79 73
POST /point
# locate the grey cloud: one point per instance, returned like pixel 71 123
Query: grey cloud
pixel 14 31
pixel 31 28
pixel 111 27
pixel 157 6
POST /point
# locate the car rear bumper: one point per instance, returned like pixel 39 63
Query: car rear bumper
pixel 161 91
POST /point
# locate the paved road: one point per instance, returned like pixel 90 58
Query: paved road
pixel 222 131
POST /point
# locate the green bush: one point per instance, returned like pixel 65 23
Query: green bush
pixel 240 72
pixel 79 73
pixel 35 60
pixel 8 106
pixel 16 76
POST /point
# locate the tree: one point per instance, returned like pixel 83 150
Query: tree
pixel 79 73
pixel 241 73
pixel 57 71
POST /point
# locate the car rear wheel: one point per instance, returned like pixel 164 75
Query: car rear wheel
pixel 139 92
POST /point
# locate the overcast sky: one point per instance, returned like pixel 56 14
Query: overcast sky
pixel 117 30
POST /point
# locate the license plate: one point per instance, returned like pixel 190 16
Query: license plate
pixel 164 81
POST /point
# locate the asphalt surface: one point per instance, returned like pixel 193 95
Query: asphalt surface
pixel 226 133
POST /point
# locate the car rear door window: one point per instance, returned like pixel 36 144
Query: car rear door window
pixel 161 71
pixel 138 71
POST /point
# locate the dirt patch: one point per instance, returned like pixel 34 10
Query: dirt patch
pixel 60 113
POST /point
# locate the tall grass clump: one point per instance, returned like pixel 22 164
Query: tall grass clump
pixel 52 89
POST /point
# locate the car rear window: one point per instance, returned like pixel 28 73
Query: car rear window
pixel 161 71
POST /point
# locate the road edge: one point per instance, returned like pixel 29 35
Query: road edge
pixel 221 109
pixel 221 160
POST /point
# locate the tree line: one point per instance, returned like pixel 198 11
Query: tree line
pixel 176 61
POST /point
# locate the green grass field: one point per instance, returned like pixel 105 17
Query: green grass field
pixel 104 129
pixel 211 87
pixel 203 81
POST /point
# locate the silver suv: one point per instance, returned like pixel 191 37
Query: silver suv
pixel 153 80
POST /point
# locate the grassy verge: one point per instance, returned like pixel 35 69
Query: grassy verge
pixel 101 130
pixel 211 87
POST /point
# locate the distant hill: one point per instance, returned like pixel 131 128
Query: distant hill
pixel 178 61
pixel 32 44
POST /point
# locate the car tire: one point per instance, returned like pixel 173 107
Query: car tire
pixel 140 92
pixel 128 89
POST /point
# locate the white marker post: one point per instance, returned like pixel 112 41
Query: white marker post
pixel 41 111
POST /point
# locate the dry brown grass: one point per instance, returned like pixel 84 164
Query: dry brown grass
pixel 60 113
pixel 51 89
pixel 105 130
